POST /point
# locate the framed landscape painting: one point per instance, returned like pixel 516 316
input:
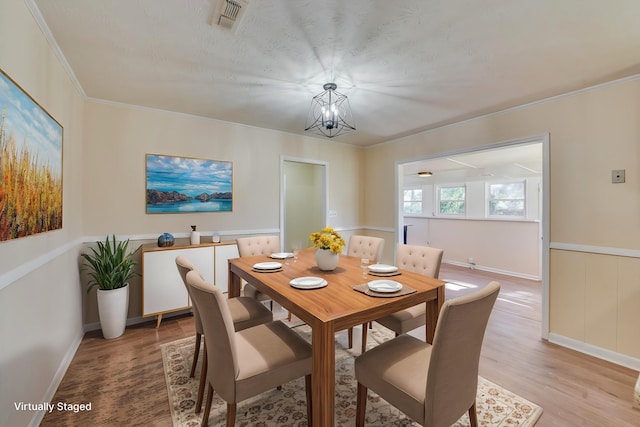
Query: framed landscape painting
pixel 30 165
pixel 186 185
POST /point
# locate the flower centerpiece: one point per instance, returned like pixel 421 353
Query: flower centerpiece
pixel 329 244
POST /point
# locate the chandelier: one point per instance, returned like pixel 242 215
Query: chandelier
pixel 330 113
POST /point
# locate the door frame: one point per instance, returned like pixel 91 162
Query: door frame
pixel 283 189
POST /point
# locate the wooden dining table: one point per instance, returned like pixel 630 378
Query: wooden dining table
pixel 333 308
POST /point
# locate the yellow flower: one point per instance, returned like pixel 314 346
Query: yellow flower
pixel 329 239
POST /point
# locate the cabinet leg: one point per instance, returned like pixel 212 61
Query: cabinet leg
pixel 159 320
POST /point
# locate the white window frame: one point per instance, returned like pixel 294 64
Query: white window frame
pixel 404 200
pixel 438 200
pixel 489 199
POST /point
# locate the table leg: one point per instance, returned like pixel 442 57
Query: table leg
pixel 433 310
pixel 323 374
pixel 234 284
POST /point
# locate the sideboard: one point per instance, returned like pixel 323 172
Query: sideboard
pixel 162 287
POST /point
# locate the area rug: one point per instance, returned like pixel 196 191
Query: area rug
pixel 496 406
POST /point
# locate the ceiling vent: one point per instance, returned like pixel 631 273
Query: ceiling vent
pixel 229 13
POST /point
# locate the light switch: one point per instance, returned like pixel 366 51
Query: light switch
pixel 617 176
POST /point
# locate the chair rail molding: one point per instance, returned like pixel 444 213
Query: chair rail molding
pixel 24 269
pixel 602 250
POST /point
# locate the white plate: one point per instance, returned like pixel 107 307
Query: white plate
pixel 281 255
pixel 267 265
pixel 384 286
pixel 383 268
pixel 309 282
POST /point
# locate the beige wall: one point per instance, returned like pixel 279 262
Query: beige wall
pixel 595 300
pixel 590 133
pixel 40 296
pixel 117 139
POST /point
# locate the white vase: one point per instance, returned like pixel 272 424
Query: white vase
pixel 112 308
pixel 195 237
pixel 326 260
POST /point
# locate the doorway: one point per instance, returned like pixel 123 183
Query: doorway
pixel 475 170
pixel 303 201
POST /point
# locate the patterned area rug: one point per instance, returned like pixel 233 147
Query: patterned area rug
pixel 287 407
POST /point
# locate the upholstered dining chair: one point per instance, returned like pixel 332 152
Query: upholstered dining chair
pixel 432 384
pixel 424 260
pixel 365 247
pixel 245 313
pixel 257 245
pixel 370 248
pixel 246 363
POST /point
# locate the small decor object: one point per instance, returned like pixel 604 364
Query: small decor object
pixel 195 236
pixel 110 267
pixel 215 238
pixel 329 244
pixel 188 185
pixel 165 240
pixel 30 165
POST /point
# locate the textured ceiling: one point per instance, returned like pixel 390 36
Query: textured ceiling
pixel 406 66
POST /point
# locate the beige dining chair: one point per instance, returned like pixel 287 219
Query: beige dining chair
pixel 424 260
pixel 370 248
pixel 246 363
pixel 432 384
pixel 253 246
pixel 365 247
pixel 245 313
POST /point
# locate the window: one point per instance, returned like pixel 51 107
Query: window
pixel 413 201
pixel 507 199
pixel 451 200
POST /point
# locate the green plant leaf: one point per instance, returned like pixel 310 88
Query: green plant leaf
pixel 110 265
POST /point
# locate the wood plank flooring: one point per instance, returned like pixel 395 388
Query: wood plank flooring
pixel 124 381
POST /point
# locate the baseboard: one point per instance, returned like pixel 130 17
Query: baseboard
pixel 592 350
pixel 57 379
pixel 491 270
pixel 137 320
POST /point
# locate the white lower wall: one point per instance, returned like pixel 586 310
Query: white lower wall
pixel 501 246
pixel 41 328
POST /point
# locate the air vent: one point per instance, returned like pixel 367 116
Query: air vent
pixel 229 13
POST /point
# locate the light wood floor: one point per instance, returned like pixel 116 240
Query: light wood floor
pixel 124 381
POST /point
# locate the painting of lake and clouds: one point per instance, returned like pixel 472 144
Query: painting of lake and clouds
pixel 187 185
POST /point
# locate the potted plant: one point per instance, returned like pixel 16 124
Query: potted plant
pixel 329 244
pixel 110 266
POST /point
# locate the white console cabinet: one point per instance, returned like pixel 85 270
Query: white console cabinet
pixel 162 287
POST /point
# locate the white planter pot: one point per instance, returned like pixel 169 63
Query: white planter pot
pixel 326 260
pixel 112 308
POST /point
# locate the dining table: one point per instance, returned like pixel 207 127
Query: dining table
pixel 333 307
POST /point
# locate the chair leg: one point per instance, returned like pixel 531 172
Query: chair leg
pixel 473 416
pixel 271 305
pixel 361 405
pixel 364 338
pixel 307 389
pixel 289 316
pixel 207 408
pixel 203 379
pixel 231 414
pixel 196 353
pixel 350 337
